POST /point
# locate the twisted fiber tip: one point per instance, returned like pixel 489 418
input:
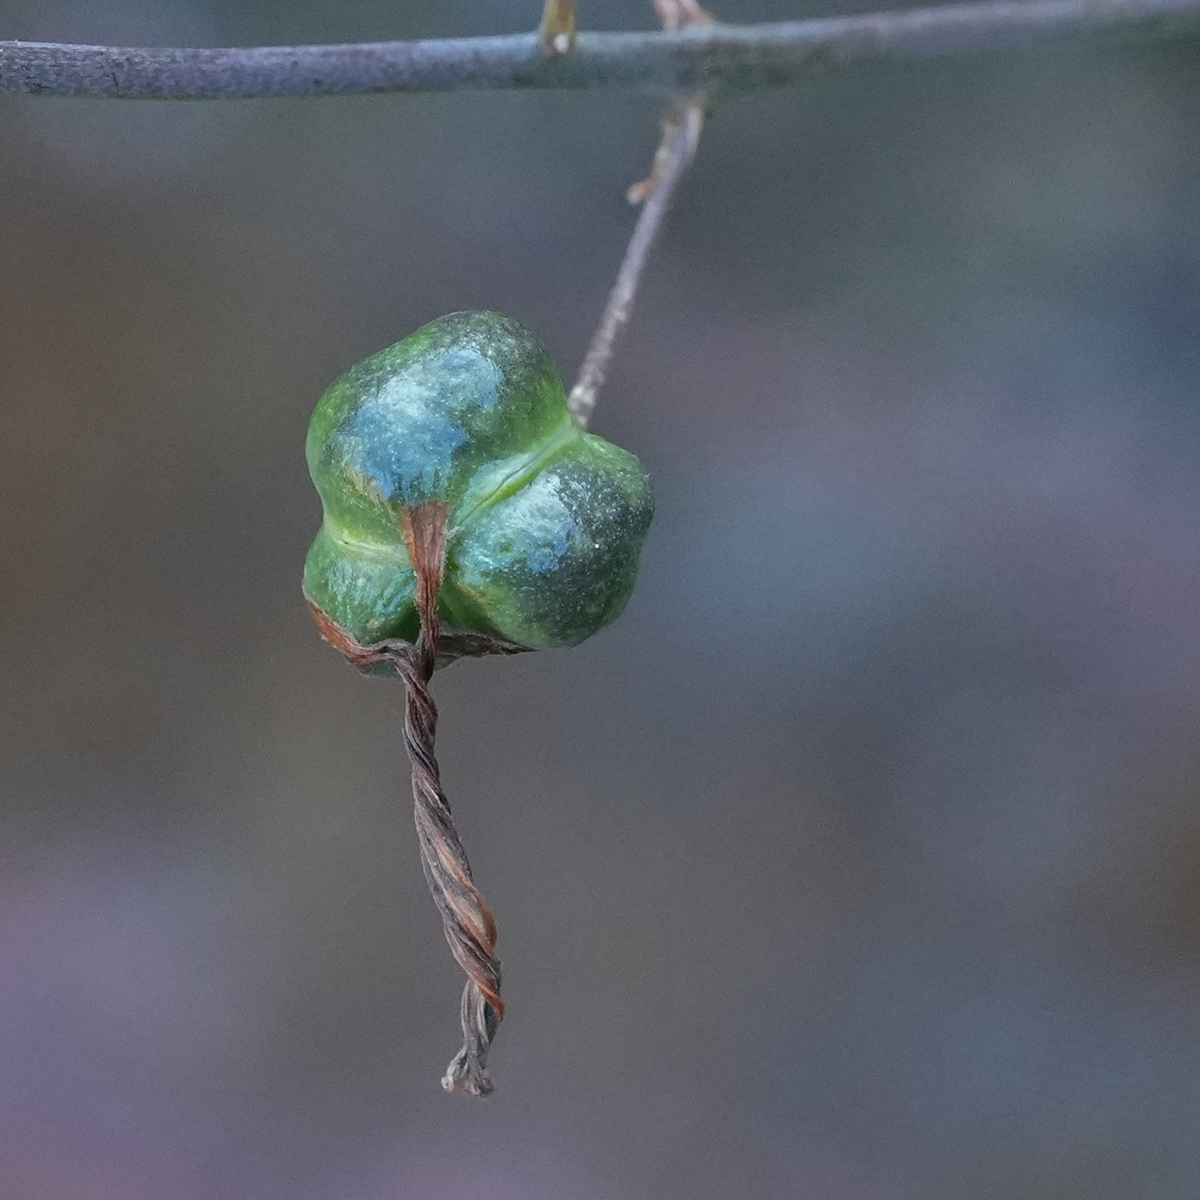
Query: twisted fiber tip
pixel 469 926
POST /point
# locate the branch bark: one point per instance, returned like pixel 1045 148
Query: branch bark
pixel 707 58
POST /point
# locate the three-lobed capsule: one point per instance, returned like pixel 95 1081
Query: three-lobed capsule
pixel 545 521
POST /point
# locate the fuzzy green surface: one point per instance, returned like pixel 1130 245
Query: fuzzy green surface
pixel 546 521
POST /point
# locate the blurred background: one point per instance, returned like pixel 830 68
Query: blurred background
pixel 860 860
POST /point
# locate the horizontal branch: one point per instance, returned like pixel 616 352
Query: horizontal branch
pixel 705 58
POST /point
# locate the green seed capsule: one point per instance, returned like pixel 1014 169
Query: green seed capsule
pixel 546 521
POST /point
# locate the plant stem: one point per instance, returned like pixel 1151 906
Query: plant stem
pixel 681 135
pixel 699 58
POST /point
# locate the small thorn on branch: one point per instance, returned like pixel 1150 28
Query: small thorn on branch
pixel 557 30
pixel 676 118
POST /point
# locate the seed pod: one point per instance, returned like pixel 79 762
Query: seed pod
pixel 546 522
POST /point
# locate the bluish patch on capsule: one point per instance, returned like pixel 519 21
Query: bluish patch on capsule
pixel 473 376
pixel 536 526
pixel 410 468
pixel 546 558
pixel 406 437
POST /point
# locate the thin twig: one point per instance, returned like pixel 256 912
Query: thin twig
pixel 680 137
pixel 675 152
pixel 700 58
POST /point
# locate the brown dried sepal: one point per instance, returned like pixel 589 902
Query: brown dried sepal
pixel 425 532
pixel 452 644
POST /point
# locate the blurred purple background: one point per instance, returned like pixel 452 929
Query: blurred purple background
pixel 859 860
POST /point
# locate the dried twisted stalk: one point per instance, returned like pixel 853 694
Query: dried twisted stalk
pixel 468 923
pixel 466 919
